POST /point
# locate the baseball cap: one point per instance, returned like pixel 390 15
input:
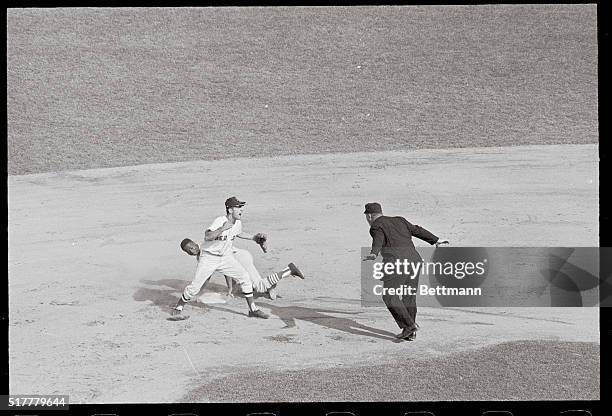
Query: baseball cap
pixel 372 208
pixel 232 202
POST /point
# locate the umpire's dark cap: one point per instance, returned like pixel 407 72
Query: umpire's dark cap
pixel 372 208
pixel 232 202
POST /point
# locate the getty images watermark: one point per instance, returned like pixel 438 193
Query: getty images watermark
pixel 492 276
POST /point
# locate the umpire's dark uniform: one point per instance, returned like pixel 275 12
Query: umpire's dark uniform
pixel 392 238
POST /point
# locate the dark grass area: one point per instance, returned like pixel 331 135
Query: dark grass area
pixel 530 370
pixel 111 87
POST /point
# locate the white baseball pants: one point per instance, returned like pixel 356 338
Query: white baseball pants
pixel 245 258
pixel 227 264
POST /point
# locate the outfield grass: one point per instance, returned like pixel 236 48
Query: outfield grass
pixel 112 87
pixel 529 370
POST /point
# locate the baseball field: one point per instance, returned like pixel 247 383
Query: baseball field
pixel 128 128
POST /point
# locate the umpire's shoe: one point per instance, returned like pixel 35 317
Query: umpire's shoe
pixel 409 334
pixel 295 271
pixel 258 314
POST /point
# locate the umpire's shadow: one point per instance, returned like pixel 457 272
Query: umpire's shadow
pixel 289 314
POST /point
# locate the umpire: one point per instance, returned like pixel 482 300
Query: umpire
pixel 392 238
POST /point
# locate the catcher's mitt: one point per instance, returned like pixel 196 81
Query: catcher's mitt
pixel 262 240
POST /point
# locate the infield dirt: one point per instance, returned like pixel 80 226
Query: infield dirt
pixel 95 264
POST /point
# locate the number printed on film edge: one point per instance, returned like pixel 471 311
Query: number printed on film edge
pixel 33 401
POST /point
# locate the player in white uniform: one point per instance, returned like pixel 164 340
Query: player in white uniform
pixel 245 258
pixel 260 285
pixel 217 254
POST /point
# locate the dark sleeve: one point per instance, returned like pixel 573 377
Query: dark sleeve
pixel 378 239
pixel 421 233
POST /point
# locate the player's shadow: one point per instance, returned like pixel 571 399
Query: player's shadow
pixel 164 293
pixel 289 314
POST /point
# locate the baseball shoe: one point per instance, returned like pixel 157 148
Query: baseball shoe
pixel 272 292
pixel 295 271
pixel 258 314
pixel 177 315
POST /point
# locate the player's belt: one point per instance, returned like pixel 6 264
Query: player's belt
pixel 213 254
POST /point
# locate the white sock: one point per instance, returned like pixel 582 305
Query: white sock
pixel 252 306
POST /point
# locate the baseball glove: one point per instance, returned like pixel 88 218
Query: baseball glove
pixel 262 240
